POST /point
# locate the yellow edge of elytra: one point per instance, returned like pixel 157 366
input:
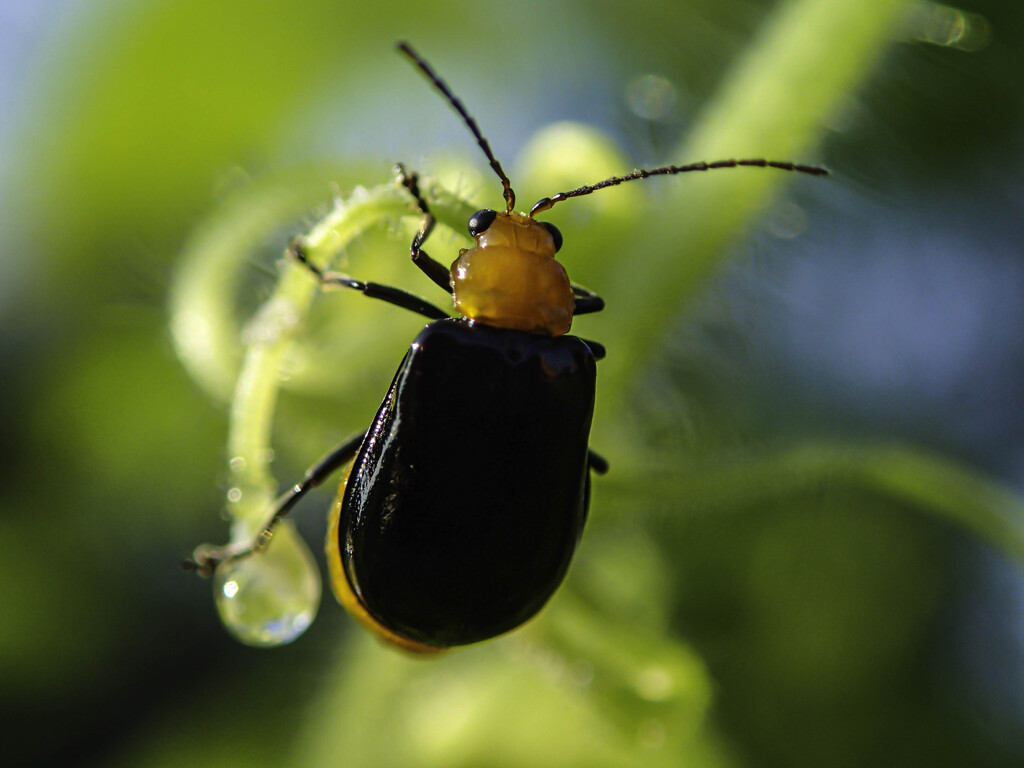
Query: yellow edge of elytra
pixel 343 589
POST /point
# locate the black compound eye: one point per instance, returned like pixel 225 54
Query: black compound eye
pixel 555 234
pixel 481 220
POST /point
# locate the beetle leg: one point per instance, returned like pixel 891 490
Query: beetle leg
pixel 596 462
pixel 206 558
pixel 435 270
pixel 395 296
pixel 587 302
pixel 596 348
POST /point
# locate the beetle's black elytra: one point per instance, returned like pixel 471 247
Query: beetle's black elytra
pixel 464 501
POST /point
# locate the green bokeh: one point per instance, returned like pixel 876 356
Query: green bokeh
pixel 753 588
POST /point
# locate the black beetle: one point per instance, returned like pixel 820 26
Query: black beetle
pixel 465 500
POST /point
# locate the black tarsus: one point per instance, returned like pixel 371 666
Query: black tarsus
pixel 433 269
pixel 206 558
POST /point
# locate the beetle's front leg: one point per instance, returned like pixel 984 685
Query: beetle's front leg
pixel 435 270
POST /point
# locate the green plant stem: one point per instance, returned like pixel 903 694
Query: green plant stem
pixel 269 334
pixel 927 481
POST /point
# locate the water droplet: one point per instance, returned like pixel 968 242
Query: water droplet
pixel 654 683
pixel 652 734
pixel 787 220
pixel 581 674
pixel 651 97
pixel 947 26
pixel 271 598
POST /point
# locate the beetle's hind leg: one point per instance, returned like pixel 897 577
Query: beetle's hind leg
pixel 396 296
pixel 435 270
pixel 596 462
pixel 206 558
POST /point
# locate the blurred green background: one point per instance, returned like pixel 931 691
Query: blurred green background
pixel 808 549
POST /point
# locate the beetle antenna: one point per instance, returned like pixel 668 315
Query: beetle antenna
pixel 669 170
pixel 442 86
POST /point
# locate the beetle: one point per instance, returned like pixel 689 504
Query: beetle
pixel 465 500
